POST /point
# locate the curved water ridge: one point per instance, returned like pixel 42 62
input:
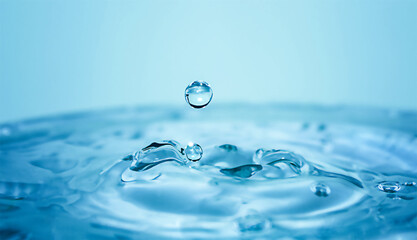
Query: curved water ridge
pixel 263 188
pixel 261 177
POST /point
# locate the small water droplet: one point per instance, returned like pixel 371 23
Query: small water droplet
pixel 389 187
pixel 409 184
pixel 320 190
pixel 258 155
pixel 198 94
pixel 194 152
pixel 394 196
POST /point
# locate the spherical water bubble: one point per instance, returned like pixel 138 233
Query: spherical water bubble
pixel 194 152
pixel 198 94
pixel 320 190
pixel 389 187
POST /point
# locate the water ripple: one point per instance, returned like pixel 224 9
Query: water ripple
pixel 267 172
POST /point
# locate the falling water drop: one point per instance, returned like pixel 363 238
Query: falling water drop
pixel 320 190
pixel 194 152
pixel 198 94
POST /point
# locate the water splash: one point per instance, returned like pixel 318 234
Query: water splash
pixel 73 171
pixel 149 157
pixel 389 187
pixel 285 163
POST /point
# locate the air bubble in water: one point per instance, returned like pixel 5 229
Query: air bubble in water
pixel 194 152
pixel 198 94
pixel 389 187
pixel 320 190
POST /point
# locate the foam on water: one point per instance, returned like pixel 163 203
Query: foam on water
pixel 267 172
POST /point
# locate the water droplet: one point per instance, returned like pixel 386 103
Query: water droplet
pixel 389 187
pixel 409 184
pixel 399 197
pixel 198 94
pixel 258 155
pixel 320 190
pixel 194 152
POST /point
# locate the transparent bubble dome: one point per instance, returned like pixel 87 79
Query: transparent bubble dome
pixel 267 172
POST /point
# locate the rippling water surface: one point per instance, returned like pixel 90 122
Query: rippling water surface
pixel 266 172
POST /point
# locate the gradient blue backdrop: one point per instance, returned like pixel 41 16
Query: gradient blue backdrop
pixel 60 56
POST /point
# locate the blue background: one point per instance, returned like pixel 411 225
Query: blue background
pixel 61 56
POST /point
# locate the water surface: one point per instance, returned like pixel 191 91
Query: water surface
pixel 278 171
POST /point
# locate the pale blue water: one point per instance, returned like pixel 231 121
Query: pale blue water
pixel 266 172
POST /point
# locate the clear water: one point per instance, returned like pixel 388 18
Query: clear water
pixel 267 172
